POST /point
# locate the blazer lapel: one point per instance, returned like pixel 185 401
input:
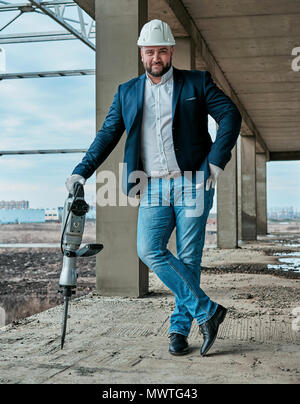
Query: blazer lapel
pixel 178 82
pixel 133 102
pixel 140 89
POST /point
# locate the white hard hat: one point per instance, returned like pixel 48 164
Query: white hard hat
pixel 156 33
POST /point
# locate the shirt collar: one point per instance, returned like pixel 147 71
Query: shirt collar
pixel 167 76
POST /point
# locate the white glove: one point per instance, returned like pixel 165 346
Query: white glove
pixel 214 174
pixel 72 180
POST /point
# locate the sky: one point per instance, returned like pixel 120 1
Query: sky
pixel 44 113
pixel 50 113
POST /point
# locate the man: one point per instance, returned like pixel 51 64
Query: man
pixel 165 114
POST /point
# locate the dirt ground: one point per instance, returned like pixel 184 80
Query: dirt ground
pixel 40 233
pixel 29 276
pixel 125 340
pixel 114 340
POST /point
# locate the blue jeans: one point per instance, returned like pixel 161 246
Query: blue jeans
pixel 165 203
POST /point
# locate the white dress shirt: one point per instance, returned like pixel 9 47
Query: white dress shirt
pixel 157 148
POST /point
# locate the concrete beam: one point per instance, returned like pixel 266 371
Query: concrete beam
pixel 88 6
pixel 191 28
pixel 285 156
pixel 118 268
pixel 260 150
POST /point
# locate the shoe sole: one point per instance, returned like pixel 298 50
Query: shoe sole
pixel 220 322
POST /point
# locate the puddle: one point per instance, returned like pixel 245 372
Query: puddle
pixel 287 264
pixel 292 261
pixel 289 261
pixel 284 267
pixel 290 254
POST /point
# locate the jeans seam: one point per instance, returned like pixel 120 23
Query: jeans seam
pixel 184 280
pixel 205 214
pixel 163 234
pixel 187 282
pixel 209 316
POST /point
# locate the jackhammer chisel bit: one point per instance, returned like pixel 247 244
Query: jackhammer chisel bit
pixel 73 222
pixel 67 292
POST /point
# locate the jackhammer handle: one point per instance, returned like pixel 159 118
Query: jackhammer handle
pixel 89 249
pixel 78 189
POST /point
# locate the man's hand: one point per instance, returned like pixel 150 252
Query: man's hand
pixel 212 179
pixel 72 180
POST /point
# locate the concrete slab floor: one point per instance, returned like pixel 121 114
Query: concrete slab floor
pixel 125 340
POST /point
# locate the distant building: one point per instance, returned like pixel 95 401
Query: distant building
pixel 9 216
pixel 211 220
pixel 53 215
pixel 284 213
pixel 26 215
pixel 14 204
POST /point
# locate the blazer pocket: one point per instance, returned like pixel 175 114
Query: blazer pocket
pixel 191 99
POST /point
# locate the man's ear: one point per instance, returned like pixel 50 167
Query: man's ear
pixel 142 52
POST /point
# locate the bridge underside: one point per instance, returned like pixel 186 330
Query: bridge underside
pixel 247 46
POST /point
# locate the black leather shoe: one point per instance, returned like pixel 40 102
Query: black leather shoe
pixel 178 344
pixel 210 328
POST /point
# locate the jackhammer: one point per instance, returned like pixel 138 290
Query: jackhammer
pixel 73 221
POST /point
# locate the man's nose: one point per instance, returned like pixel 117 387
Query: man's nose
pixel 156 57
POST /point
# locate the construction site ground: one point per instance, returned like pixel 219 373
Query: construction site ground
pixel 124 340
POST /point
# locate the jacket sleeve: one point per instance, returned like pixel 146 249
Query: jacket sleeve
pixel 105 141
pixel 227 116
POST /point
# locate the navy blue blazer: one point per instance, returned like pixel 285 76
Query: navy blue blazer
pixel 195 96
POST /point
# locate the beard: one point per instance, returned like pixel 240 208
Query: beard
pixel 160 73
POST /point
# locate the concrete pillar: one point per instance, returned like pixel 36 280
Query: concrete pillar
pixel 2 317
pixel 247 188
pixel 227 205
pixel 261 193
pixel 118 270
